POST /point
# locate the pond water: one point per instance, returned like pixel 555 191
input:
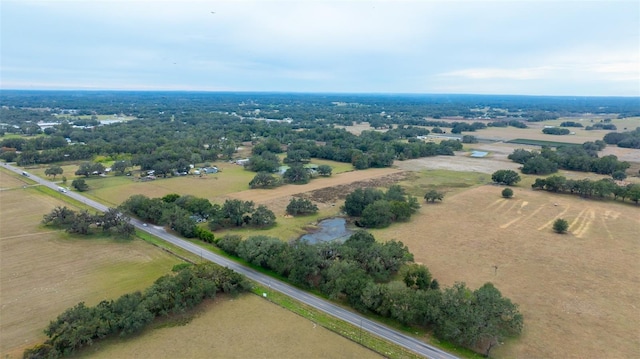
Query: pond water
pixel 332 229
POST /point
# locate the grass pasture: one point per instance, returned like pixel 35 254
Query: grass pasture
pixel 243 327
pixel 578 292
pixel 12 181
pixel 45 271
pixel 114 190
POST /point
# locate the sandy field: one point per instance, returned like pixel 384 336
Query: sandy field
pixel 578 292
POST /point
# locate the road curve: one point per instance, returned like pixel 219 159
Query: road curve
pixel 354 319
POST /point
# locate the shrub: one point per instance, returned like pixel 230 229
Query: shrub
pixel 560 225
pixel 507 193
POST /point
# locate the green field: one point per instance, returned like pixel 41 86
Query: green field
pixel 44 271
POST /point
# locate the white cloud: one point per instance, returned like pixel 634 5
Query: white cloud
pixel 326 45
pixel 527 73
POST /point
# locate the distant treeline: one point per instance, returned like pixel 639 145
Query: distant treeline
pixel 171 145
pixel 312 107
pixel 81 326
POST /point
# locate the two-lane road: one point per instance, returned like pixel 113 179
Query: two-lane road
pixel 355 319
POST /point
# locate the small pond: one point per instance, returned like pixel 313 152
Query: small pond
pixel 332 229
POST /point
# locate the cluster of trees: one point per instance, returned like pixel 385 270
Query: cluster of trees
pixel 88 168
pixel 180 213
pixel 264 161
pixel 361 272
pixel 80 184
pixel 301 206
pixel 469 139
pixel 82 325
pixel 297 174
pixel 53 171
pixel 587 188
pixel 628 139
pixel 602 126
pixel 264 180
pixel 555 131
pixel 507 177
pixel 378 209
pixel 237 213
pixel 183 213
pixel 506 123
pixel 572 157
pixel 571 124
pixel 111 221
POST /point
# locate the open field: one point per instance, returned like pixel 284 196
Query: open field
pixel 113 190
pixel 243 327
pixel 578 292
pixel 10 180
pixel 497 160
pixel 44 271
pixel 534 131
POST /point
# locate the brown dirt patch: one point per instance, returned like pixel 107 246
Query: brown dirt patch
pixel 578 292
pixel 325 191
pixel 244 327
pixel 339 192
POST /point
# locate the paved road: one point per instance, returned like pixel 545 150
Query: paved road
pixel 355 319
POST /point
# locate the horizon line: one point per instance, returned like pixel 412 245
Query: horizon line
pixel 307 92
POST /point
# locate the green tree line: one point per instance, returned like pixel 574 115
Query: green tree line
pixel 603 188
pixel 381 278
pixel 82 325
pixel 82 222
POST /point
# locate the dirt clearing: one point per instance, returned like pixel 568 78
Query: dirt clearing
pixel 326 191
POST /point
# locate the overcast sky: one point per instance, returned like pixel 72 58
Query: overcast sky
pixel 539 47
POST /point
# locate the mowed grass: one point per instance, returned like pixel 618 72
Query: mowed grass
pixel 44 271
pixel 446 181
pixel 578 292
pixel 114 190
pixel 246 326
